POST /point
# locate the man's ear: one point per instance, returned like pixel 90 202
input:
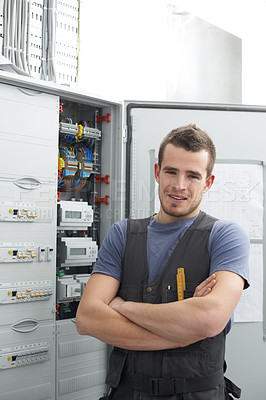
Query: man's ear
pixel 208 183
pixel 156 172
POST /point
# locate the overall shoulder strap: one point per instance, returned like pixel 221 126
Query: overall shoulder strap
pixel 203 222
pixel 137 225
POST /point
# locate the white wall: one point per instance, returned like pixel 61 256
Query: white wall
pixel 122 48
pixel 125 52
pixel 205 62
pixel 245 19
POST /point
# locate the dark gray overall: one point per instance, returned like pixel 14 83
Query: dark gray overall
pixel 194 372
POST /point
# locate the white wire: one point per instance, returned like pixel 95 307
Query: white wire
pixel 6 29
pixel 18 34
pixel 53 37
pixel 51 40
pixel 12 27
pixel 16 28
pixel 44 42
pixel 49 29
pixel 28 13
pixel 24 35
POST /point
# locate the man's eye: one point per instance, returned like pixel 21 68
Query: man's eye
pixel 194 176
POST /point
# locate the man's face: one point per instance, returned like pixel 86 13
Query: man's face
pixel 182 181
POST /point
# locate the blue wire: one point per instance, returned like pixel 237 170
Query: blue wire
pixel 85 155
pixel 60 183
pixel 90 155
pixel 75 184
pixel 63 151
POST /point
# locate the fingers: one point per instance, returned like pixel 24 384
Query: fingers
pixel 205 287
pixel 206 282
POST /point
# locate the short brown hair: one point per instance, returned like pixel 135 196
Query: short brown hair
pixel 190 138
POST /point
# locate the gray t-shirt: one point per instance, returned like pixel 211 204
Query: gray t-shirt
pixel 228 248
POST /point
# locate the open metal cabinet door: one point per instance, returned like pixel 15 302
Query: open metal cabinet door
pixel 238 132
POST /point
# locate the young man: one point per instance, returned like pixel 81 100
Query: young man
pixel 167 348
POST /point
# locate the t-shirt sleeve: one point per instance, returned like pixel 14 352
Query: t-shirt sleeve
pixel 229 249
pixel 111 252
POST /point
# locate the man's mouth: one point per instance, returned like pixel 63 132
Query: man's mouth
pixel 177 197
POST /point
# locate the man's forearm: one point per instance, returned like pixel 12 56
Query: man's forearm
pixel 109 326
pixel 181 323
pixel 189 320
pixel 96 318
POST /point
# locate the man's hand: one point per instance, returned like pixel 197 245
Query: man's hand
pixel 205 287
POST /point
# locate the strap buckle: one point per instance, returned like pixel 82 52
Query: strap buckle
pixel 162 387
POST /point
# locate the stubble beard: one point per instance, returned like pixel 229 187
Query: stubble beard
pixel 180 214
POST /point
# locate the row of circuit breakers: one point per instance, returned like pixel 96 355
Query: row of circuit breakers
pixel 72 252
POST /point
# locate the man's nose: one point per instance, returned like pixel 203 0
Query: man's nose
pixel 180 182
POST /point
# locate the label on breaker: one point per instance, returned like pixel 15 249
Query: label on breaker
pixel 23 292
pixel 22 212
pixel 21 356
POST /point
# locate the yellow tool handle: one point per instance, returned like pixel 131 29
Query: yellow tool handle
pixel 180 291
pixel 181 283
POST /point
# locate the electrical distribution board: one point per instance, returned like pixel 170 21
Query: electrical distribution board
pixel 55 209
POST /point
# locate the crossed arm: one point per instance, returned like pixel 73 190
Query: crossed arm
pixel 143 326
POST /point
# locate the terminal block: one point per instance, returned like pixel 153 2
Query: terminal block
pixel 17 212
pixel 24 292
pixel 24 252
pixel 32 354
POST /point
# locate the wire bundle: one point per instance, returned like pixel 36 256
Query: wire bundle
pixel 16 32
pixel 74 177
pixel 17 35
pixel 48 40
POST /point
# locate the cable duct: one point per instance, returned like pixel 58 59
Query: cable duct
pixel 17 35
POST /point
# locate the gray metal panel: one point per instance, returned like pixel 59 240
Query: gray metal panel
pixel 81 364
pixel 246 359
pixel 111 164
pixel 238 133
pixel 55 89
pixel 29 132
pixel 33 381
